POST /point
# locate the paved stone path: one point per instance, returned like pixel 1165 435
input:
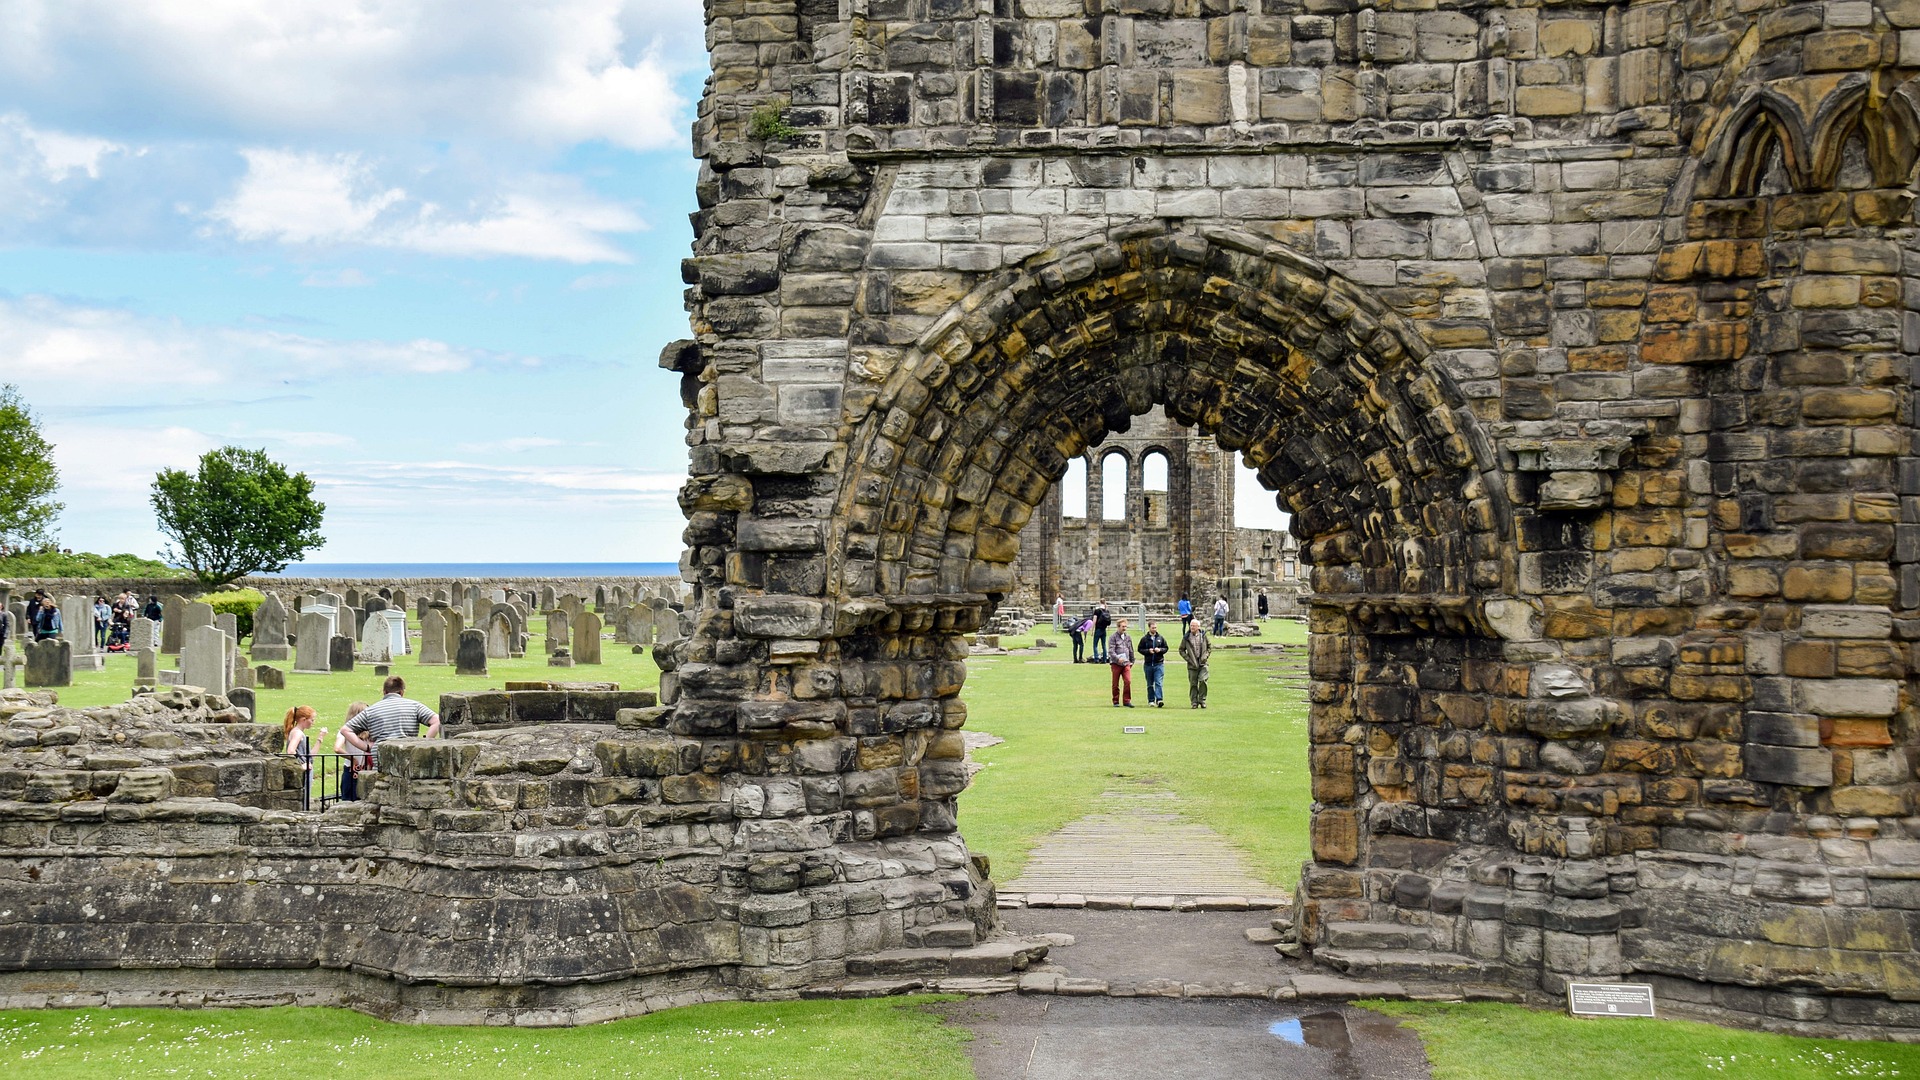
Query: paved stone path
pixel 1138 844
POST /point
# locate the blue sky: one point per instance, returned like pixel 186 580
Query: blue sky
pixel 426 251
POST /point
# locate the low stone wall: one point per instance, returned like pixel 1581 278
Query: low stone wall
pixel 541 870
pixel 290 586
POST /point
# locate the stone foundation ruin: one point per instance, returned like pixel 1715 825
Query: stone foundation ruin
pixel 1577 339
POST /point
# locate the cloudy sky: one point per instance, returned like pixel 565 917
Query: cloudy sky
pixel 426 251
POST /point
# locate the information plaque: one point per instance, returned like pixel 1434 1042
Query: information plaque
pixel 1133 731
pixel 1610 999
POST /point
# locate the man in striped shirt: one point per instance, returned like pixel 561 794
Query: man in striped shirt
pixel 392 717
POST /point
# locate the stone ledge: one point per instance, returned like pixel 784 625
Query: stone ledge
pixel 1154 902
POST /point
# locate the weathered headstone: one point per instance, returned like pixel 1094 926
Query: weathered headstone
pixel 499 637
pixel 455 625
pixel 546 598
pixel 398 601
pixel 76 625
pixel 242 697
pixel 49 663
pixel 376 640
pixel 586 638
pixel 311 644
pixel 600 598
pixel 229 624
pixel 268 677
pixel 203 659
pixel 517 628
pixel 440 596
pixel 561 658
pixel 353 598
pixel 173 624
pixel 433 637
pixel 197 614
pixel 471 659
pixel 146 634
pixel 374 603
pixel 340 653
pixel 559 631
pixel 640 625
pixel 146 666
pixel 270 630
pixel 420 607
pixel 244 678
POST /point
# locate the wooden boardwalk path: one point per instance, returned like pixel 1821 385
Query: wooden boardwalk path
pixel 1138 845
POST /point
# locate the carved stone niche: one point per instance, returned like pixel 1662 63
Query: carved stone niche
pixel 1579 470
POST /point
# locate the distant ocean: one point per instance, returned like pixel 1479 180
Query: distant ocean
pixel 481 570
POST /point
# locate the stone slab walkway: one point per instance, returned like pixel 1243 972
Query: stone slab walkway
pixel 1138 844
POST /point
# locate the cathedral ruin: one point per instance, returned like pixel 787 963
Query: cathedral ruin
pixel 1578 341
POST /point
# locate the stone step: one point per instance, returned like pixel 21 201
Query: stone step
pixel 1404 965
pixel 1000 956
pixel 1377 935
pixel 947 935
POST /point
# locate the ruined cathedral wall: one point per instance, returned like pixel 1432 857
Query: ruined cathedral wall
pixel 1599 316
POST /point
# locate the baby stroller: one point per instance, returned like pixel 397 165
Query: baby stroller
pixel 120 636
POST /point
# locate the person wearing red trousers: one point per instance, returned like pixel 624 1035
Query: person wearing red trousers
pixel 1120 659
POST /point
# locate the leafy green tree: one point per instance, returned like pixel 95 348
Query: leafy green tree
pixel 28 477
pixel 241 514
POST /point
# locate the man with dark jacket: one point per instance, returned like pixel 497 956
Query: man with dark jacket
pixel 46 620
pixel 1100 623
pixel 1153 654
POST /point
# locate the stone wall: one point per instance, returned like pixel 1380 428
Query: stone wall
pixel 552 865
pixel 1578 341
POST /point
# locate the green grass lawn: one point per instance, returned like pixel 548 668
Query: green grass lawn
pixel 891 1039
pixel 1486 1041
pixel 1240 766
pixel 330 694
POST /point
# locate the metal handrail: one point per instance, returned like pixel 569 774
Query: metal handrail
pixel 330 780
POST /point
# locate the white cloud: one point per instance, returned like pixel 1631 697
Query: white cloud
pixel 56 350
pixel 348 278
pixel 557 72
pixel 60 153
pixel 307 198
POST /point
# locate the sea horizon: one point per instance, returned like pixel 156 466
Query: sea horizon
pixel 480 570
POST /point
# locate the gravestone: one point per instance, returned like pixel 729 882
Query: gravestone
pixel 340 653
pixel 376 640
pixel 466 611
pixel 229 624
pixel 197 614
pixel 640 625
pixel 586 638
pixel 666 626
pixel 517 628
pixel 330 614
pixel 546 598
pixel 203 659
pixel 173 624
pixel 420 607
pixel 10 650
pixel 270 630
pixel 455 625
pixel 397 629
pixel 374 603
pixel 146 634
pixel 311 644
pixel 440 596
pixel 433 637
pixel 398 601
pixel 146 666
pixel 243 677
pixel 559 635
pixel 499 637
pixel 600 598
pixel 471 658
pixel 241 697
pixel 268 677
pixel 49 663
pixel 353 598
pixel 18 609
pixel 353 626
pixel 76 625
pixel 561 658
pixel 498 596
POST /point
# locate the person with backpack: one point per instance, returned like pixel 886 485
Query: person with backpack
pixel 1077 631
pixel 1100 623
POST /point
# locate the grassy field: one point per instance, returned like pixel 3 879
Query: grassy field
pixel 1486 1041
pixel 892 1039
pixel 1240 766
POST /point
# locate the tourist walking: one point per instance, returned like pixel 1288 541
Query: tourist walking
pixel 1077 630
pixel 1219 616
pixel 1196 650
pixel 1059 609
pixel 1100 623
pixel 1120 659
pixel 45 619
pixel 102 621
pixel 1186 614
pixel 1263 605
pixel 1153 660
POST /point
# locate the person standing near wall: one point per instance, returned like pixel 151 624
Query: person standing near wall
pixel 1077 630
pixel 1220 616
pixel 1186 614
pixel 102 621
pixel 1153 657
pixel 1263 605
pixel 1120 659
pixel 1100 623
pixel 1196 650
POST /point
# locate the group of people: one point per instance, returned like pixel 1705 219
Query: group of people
pixel 112 622
pixel 394 716
pixel 1120 653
